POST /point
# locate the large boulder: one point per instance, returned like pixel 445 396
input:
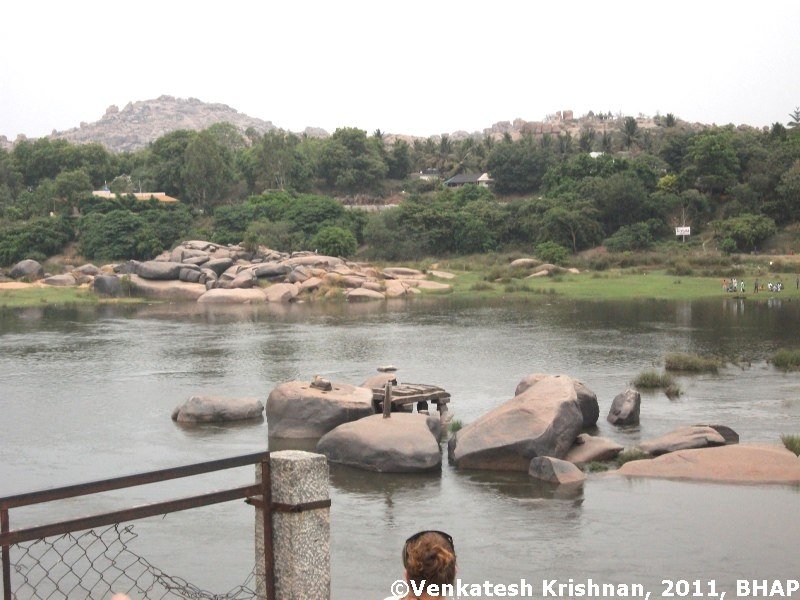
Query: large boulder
pixel 542 421
pixel 737 463
pixel 244 279
pixel 524 263
pixel 729 435
pixel 218 265
pixel 232 296
pixel 553 470
pixel 588 448
pixel 396 288
pixel 216 409
pixel 298 410
pixel 27 269
pixel 587 399
pixel 165 290
pixel 271 269
pixel 281 292
pixel 312 260
pixel 404 443
pixel 107 285
pixel 683 438
pixel 310 284
pixel 399 272
pixel 88 269
pixel 161 270
pixel 64 280
pixel 625 408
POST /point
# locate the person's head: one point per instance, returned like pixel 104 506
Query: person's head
pixel 430 556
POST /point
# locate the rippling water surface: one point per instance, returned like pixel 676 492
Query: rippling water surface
pixel 87 393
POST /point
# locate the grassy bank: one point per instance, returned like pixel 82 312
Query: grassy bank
pixel 48 295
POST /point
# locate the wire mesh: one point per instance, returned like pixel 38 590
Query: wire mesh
pixel 97 564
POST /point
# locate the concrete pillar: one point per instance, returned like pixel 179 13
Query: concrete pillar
pixel 301 540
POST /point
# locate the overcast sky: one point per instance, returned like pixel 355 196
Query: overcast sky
pixel 405 67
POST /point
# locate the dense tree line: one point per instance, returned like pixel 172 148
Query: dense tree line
pixel 276 188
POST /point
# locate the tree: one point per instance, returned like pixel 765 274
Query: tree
pixel 72 184
pixel 670 120
pixel 335 241
pixel 518 167
pixel 348 163
pixel 712 162
pixel 586 139
pixel 207 170
pixel 399 160
pixel 795 118
pixel 572 224
pixel 629 132
pixel 166 159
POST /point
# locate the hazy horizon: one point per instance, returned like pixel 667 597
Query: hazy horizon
pixel 420 69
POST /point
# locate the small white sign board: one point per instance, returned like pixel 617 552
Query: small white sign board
pixel 683 231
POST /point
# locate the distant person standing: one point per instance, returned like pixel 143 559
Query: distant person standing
pixel 797 282
pixel 755 289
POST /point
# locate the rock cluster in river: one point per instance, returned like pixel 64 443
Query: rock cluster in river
pixel 211 273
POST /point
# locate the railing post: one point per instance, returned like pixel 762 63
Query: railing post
pixel 300 535
pixel 266 529
pixel 4 527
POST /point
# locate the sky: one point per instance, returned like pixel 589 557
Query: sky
pixel 411 67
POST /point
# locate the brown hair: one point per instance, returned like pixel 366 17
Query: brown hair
pixel 430 557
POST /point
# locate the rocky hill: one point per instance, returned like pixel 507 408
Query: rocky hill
pixel 140 123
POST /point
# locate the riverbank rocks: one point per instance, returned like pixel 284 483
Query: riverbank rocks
pixel 27 269
pixel 625 408
pixel 216 409
pixel 553 470
pixel 232 296
pixel 64 280
pixel 587 399
pixel 588 448
pixel 363 295
pixel 402 272
pixel 281 292
pixel 298 410
pixel 161 270
pixel 525 263
pixel 544 420
pixel 682 438
pixel 166 290
pixel 737 463
pixel 403 443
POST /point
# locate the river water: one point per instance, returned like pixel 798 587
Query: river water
pixel 86 393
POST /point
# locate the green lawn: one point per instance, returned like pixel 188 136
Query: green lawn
pixel 39 296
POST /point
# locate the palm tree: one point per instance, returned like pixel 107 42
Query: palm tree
pixel 586 139
pixel 670 120
pixel 795 116
pixel 629 129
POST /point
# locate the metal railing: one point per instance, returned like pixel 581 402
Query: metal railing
pixel 262 488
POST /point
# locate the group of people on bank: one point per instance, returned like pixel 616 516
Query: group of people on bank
pixel 736 286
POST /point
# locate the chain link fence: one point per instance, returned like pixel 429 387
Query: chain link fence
pixel 97 564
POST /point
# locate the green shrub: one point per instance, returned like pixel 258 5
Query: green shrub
pixel 630 237
pixel 673 390
pixel 629 455
pixel 691 363
pixel 335 241
pixel 727 245
pixel 786 359
pixel 680 269
pixel 36 239
pixel 746 231
pixel 792 442
pixel 550 252
pixel 653 380
pixel 481 286
pixel 596 467
pixel 455 425
pixel 119 234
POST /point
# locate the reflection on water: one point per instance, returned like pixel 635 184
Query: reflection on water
pixel 87 392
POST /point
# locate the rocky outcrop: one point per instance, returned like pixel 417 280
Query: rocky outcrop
pixel 737 463
pixel 525 263
pixel 139 123
pixel 298 410
pixel 588 448
pixel 404 443
pixel 281 292
pixel 27 269
pixel 625 408
pixel 544 420
pixel 683 438
pixel 216 409
pixel 161 270
pixel 364 295
pixel 553 470
pixel 587 399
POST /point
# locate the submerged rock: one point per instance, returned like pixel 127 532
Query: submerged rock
pixel 298 410
pixel 553 470
pixel 683 438
pixel 404 443
pixel 216 409
pixel 588 448
pixel 737 463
